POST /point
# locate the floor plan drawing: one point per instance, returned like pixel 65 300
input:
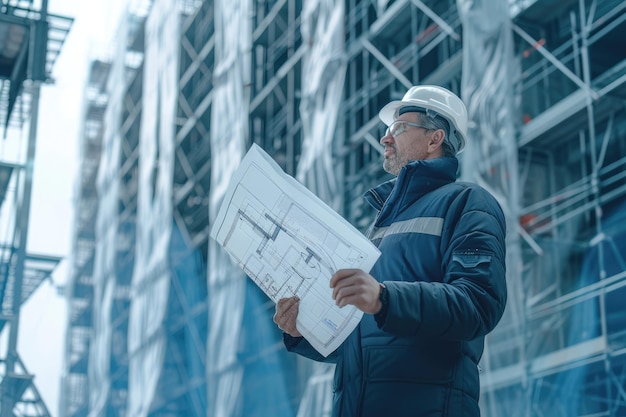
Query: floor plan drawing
pixel 289 243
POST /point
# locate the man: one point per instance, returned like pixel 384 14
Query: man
pixel 439 285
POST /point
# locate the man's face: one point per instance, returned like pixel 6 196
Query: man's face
pixel 404 143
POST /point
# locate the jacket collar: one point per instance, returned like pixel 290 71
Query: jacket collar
pixel 414 180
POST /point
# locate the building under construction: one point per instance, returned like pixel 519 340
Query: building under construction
pixel 162 323
pixel 31 39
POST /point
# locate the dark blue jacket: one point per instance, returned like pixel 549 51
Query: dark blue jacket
pixel 443 262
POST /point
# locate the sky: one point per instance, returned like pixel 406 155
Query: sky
pixel 43 317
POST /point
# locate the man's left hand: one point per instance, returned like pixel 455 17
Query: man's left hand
pixel 358 288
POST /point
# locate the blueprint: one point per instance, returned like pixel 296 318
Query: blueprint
pixel 289 242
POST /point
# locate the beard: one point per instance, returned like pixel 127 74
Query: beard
pixel 392 165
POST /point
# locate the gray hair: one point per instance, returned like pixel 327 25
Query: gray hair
pixel 435 123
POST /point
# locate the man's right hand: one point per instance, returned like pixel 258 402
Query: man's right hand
pixel 286 314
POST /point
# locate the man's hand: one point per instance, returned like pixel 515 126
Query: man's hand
pixel 286 314
pixel 358 288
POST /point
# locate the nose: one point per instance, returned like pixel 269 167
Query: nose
pixel 387 138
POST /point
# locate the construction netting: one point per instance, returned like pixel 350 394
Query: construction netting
pixel 106 238
pixel 324 68
pixel 150 286
pixel 252 375
pixel 226 282
pixel 490 159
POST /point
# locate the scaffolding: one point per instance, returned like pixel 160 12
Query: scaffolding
pixel 545 84
pixel 30 41
pixel 568 358
pixel 74 398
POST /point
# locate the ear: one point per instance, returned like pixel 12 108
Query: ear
pixel 435 141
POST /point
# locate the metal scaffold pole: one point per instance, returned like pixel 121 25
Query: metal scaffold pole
pixel 14 384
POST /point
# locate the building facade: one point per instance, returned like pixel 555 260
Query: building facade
pixel 162 323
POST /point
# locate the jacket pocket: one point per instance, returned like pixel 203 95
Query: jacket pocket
pixel 404 399
pixel 409 364
pixel 472 259
pixel 407 381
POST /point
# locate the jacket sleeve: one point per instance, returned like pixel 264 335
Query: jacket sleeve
pixel 300 346
pixel 468 300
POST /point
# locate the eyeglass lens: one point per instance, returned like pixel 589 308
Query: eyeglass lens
pixel 396 128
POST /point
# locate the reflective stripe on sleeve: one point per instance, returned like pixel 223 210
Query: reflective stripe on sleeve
pixel 425 225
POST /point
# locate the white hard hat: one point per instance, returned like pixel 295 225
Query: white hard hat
pixel 433 98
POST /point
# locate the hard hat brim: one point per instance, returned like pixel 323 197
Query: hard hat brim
pixel 388 113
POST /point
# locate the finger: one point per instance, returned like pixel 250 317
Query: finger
pixel 285 318
pixel 285 322
pixel 352 299
pixel 341 284
pixel 287 300
pixel 283 307
pixel 340 275
pixel 286 303
pixel 343 293
pixel 344 282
